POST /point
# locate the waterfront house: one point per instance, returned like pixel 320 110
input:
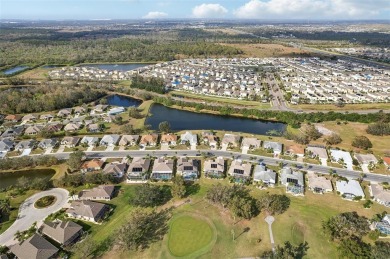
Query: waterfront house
pixel 129 140
pixel 190 138
pixel 250 143
pixel 138 170
pixel 162 169
pixel 230 141
pixel 214 168
pixel 168 140
pixel 275 147
pixel 149 140
pixel 210 139
pixel 294 150
pixel 64 113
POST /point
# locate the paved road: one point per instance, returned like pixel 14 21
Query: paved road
pixel 28 214
pixel 229 154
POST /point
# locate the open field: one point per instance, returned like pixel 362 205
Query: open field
pixel 267 50
pixel 36 73
pixel 232 101
pixel 301 222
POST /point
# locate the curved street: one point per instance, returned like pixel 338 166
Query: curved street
pixel 28 214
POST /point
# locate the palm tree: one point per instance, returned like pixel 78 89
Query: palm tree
pixel 5 206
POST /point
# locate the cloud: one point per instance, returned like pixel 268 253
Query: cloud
pixel 209 11
pixel 155 15
pixel 315 9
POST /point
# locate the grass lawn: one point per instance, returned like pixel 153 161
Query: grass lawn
pixel 250 104
pixel 347 107
pixel 188 235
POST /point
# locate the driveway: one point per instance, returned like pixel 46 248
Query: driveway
pixel 28 214
pixel 110 148
pixel 90 148
pixel 48 151
pixel 245 150
pixel 61 149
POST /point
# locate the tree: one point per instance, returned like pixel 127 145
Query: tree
pixel 288 251
pixel 354 247
pixel 5 207
pixel 312 132
pixel 75 159
pixel 345 225
pixel 361 142
pixel 143 228
pixel 164 126
pixel 134 113
pixel 244 207
pixel 333 139
pixel 274 203
pixel 127 129
pixel 85 248
pixel 147 195
pixel 178 189
pixel 380 250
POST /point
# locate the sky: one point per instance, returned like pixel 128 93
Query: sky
pixel 213 9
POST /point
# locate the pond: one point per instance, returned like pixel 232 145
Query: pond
pixel 11 178
pixel 186 120
pixel 124 101
pixel 118 67
pixel 14 70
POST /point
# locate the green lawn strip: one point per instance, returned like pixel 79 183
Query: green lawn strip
pixel 190 235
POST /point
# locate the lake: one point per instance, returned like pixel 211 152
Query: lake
pixel 124 101
pixel 14 70
pixel 11 178
pixel 186 120
pixel 118 67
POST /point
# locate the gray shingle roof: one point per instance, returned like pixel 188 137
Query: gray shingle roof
pixel 35 247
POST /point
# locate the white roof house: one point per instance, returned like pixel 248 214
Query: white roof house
pixel 109 140
pixel 350 189
pixel 263 174
pixel 189 137
pixel 275 146
pixel 380 195
pixel 338 155
pixel 90 141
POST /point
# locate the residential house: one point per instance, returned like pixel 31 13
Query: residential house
pixel 190 138
pixel 262 174
pixel 79 110
pixel 54 127
pixel 319 184
pixel 64 113
pixel 48 143
pixel 168 140
pixel 116 169
pixel 129 140
pixel 87 210
pixel 350 189
pixel 386 162
pixel 379 194
pixel 162 169
pixel 116 110
pixel 214 168
pixel 366 159
pixel 93 127
pixel 275 147
pixel 230 141
pixel 29 118
pixel 12 118
pixel 384 225
pixel 294 150
pixel 250 143
pixel 33 130
pixel 342 157
pixel 34 247
pixel 46 117
pixel 317 151
pixel 100 193
pixel 293 180
pixel 240 171
pixel 110 140
pixel 100 108
pixel 89 141
pixel 71 127
pixel 13 132
pixel 6 144
pixel 149 140
pixel 70 142
pixel 138 170
pixel 92 165
pixel 25 144
pixel 63 232
pixel 210 139
pixel 188 168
